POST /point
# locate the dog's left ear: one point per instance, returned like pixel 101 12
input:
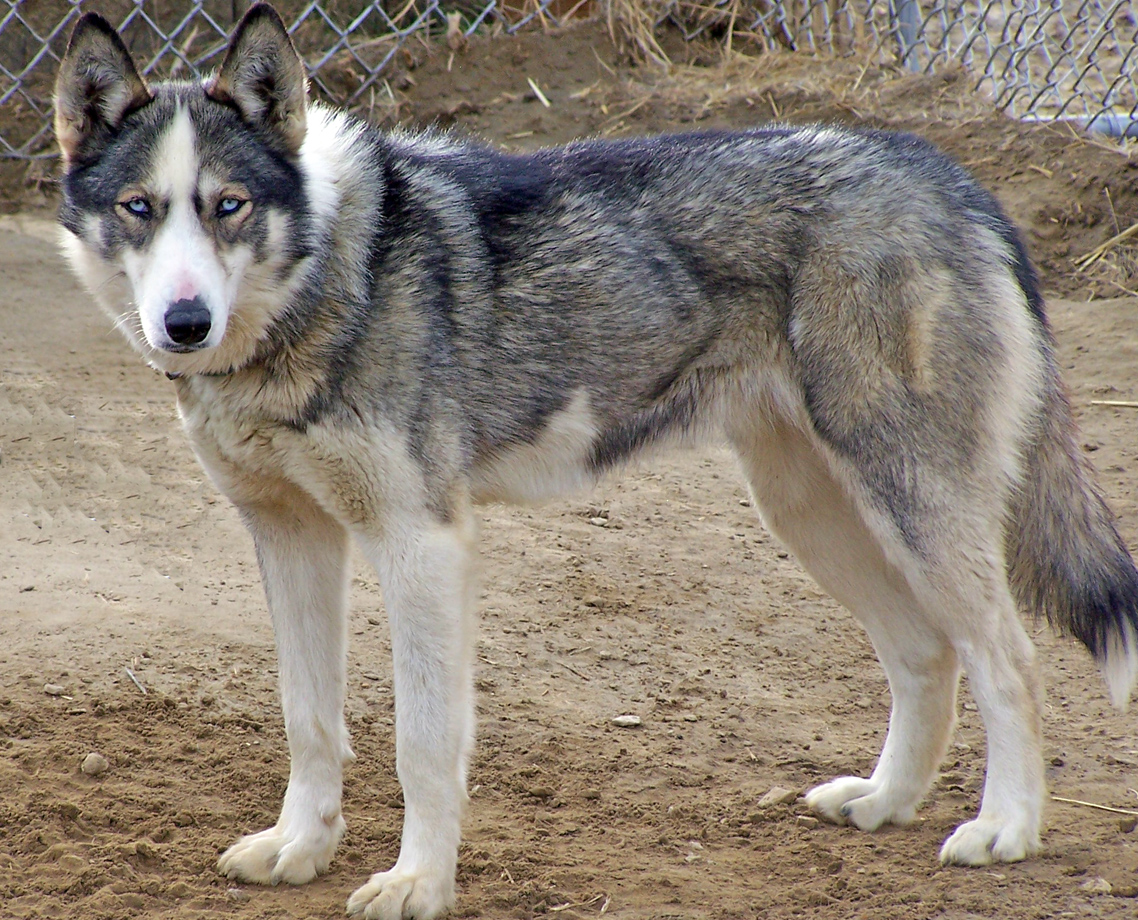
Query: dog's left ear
pixel 263 77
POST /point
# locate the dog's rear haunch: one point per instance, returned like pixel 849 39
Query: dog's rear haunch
pixel 370 333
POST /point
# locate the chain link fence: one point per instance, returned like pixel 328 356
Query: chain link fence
pixel 1040 59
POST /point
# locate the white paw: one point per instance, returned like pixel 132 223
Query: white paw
pixel 860 802
pixel 402 895
pixel 985 841
pixel 275 855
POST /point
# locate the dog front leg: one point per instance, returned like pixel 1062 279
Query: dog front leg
pixel 426 571
pixel 303 555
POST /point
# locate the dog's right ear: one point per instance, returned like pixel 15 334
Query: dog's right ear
pixel 97 85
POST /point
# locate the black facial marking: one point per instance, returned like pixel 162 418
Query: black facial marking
pixel 93 186
pixel 238 155
pixel 226 147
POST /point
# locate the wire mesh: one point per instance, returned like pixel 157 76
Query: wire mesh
pixel 1034 58
pixel 1040 59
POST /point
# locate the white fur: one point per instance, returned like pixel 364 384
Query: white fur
pixel 303 554
pixel 325 155
pixel 555 464
pixel 305 495
pixel 1120 669
pixel 300 517
pixel 429 587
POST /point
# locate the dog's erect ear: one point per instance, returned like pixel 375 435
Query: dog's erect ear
pixel 263 77
pixel 97 86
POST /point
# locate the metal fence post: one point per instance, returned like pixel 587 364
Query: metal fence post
pixel 905 17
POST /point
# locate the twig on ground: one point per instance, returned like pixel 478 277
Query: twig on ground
pixel 537 92
pixel 569 667
pixel 593 900
pixel 1110 808
pixel 1085 262
pixel 137 682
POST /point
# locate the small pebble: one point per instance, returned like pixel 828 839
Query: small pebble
pixel 599 521
pixel 53 689
pixel 94 764
pixel 1127 824
pixel 807 822
pixel 778 796
pixel 627 721
pixel 1096 886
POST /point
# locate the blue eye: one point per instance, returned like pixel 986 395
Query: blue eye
pixel 137 206
pixel 229 206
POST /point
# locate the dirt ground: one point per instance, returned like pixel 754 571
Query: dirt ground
pixel 133 623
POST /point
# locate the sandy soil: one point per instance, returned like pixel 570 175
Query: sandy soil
pixel 659 595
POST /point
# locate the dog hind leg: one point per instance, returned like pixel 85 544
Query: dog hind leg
pixel 303 556
pixel 999 659
pixel 808 509
pixel 926 615
pixel 922 677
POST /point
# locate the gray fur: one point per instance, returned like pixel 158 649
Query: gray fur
pixel 425 323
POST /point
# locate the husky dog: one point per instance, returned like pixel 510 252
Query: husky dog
pixel 370 333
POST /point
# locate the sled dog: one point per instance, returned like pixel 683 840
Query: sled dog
pixel 369 333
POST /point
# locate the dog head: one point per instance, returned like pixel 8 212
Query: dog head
pixel 184 205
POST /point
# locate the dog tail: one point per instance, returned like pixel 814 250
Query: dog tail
pixel 1066 559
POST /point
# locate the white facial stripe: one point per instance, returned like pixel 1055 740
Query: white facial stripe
pixel 181 262
pixel 178 254
pixel 175 174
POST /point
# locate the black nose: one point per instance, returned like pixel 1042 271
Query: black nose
pixel 187 322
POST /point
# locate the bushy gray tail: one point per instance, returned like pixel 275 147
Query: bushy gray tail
pixel 1066 559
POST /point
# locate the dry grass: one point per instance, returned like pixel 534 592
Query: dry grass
pixel 864 90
